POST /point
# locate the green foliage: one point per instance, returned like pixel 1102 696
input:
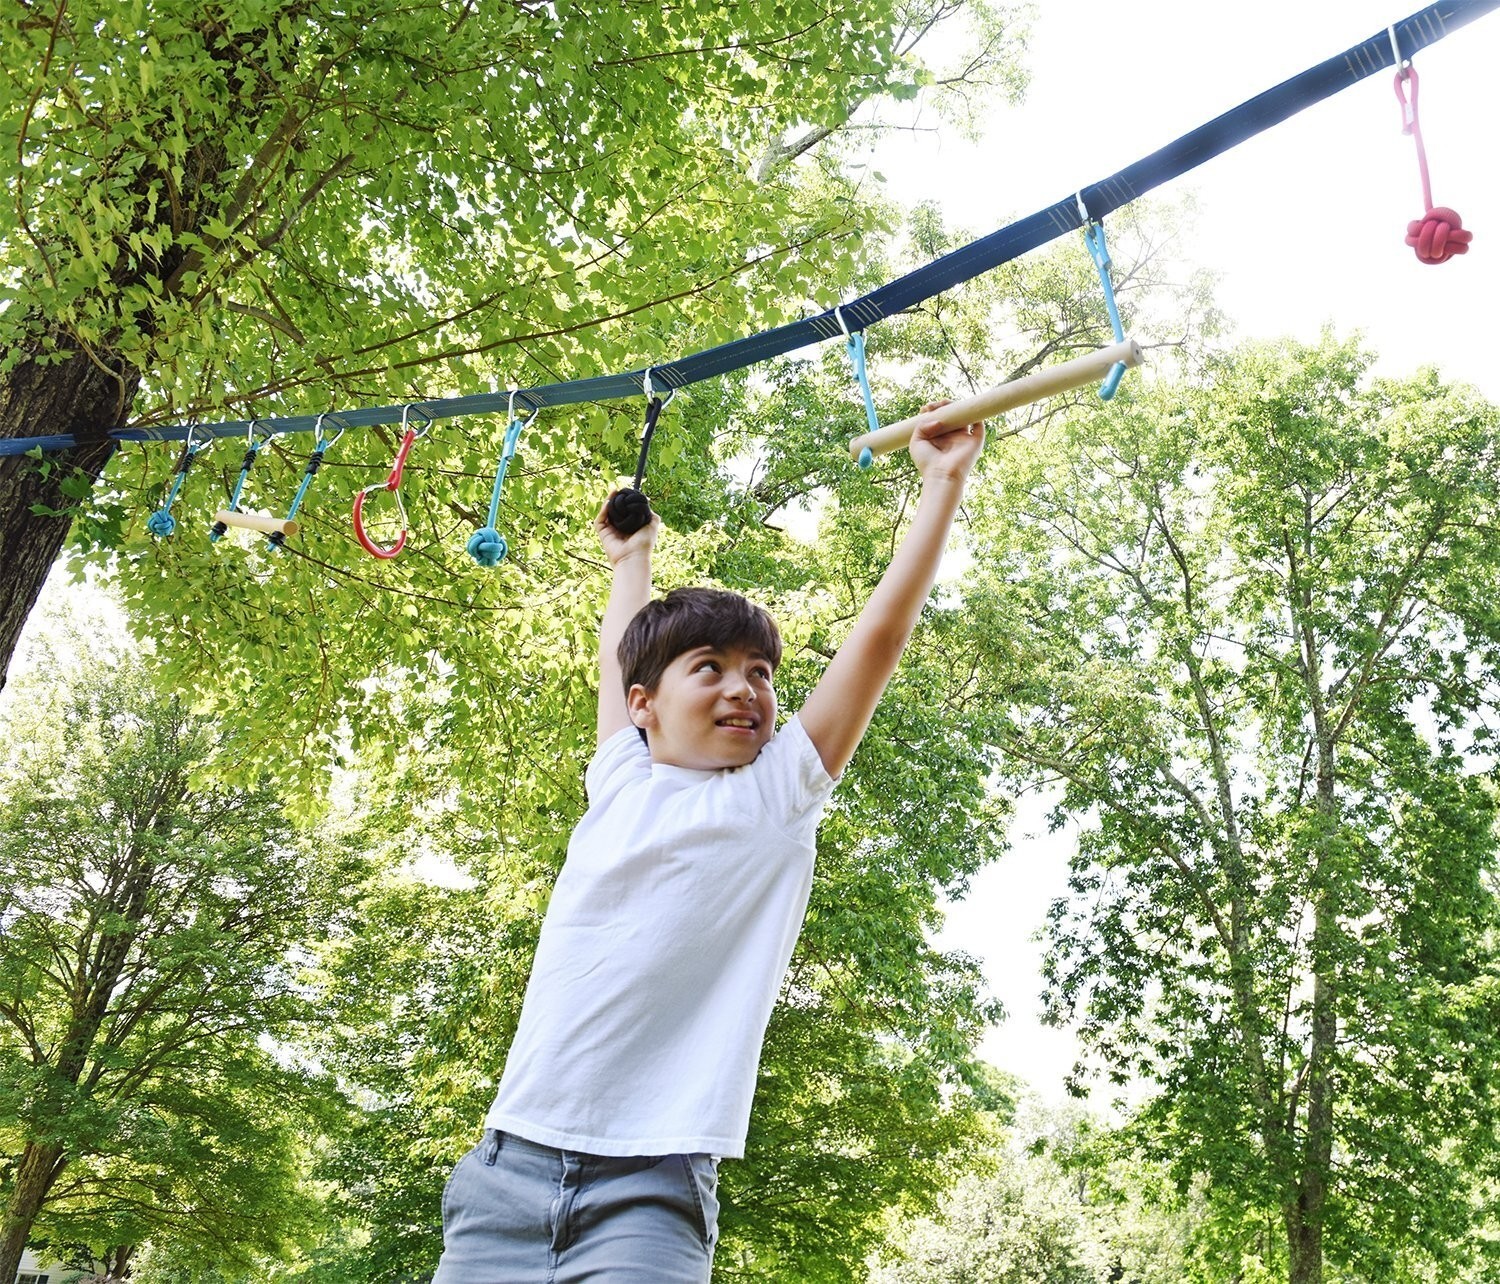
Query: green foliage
pixel 147 919
pixel 1250 628
pixel 95 518
pixel 1058 1205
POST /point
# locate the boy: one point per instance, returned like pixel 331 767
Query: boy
pixel 674 917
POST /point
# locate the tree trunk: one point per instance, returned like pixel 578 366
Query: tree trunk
pixel 74 395
pixel 38 1170
pixel 1304 1215
pixel 41 1162
pixel 116 1262
pixel 1303 1209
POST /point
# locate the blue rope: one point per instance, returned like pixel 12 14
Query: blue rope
pixel 857 356
pixel 1093 237
pixel 252 449
pixel 314 462
pixel 161 523
pixel 487 546
pixel 1424 28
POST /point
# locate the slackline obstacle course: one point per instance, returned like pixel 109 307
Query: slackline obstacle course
pixel 1435 237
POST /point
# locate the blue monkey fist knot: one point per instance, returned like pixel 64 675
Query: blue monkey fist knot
pixel 487 546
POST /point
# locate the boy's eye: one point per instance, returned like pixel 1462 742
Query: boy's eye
pixel 763 674
pixel 711 665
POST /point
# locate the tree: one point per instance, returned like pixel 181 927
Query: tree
pixel 147 921
pixel 1249 629
pixel 255 206
pixel 1058 1203
pixel 463 700
pixel 466 696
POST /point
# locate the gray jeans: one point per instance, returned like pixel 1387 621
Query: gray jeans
pixel 515 1212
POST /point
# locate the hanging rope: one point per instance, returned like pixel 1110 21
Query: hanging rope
pixel 1439 234
pixel 487 545
pixel 321 446
pixel 392 483
pixel 252 449
pixel 856 341
pixel 161 523
pixel 629 509
pixel 1093 237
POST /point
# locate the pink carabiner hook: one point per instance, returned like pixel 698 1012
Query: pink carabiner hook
pixel 393 484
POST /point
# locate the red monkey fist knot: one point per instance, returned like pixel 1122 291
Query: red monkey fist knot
pixel 1439 236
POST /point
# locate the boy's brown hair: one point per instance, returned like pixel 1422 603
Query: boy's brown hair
pixel 693 617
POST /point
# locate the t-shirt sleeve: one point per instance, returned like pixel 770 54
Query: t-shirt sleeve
pixel 793 782
pixel 619 760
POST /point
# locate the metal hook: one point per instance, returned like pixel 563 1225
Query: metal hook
pixel 411 409
pixel 651 392
pixel 318 430
pixel 392 483
pixel 510 410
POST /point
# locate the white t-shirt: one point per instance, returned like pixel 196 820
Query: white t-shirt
pixel 669 931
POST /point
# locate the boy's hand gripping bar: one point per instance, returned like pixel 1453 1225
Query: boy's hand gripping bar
pixel 1090 368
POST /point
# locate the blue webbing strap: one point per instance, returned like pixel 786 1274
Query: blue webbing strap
pixel 1421 29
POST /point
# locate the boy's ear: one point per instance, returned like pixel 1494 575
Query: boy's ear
pixel 638 702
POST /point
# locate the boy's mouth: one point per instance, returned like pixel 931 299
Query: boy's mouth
pixel 741 724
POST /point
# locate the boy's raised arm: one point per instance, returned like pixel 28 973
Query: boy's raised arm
pixel 842 704
pixel 630 556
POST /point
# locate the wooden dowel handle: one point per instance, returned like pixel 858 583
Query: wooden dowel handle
pixel 258 522
pixel 1048 382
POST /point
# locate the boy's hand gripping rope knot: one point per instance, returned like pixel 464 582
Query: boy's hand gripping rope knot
pixel 628 508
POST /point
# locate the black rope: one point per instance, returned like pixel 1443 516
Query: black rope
pixel 629 509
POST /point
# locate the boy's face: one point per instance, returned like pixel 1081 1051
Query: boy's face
pixel 712 709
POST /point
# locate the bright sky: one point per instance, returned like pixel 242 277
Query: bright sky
pixel 1303 225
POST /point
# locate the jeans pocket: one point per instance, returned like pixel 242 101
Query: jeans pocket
pixel 702 1173
pixel 448 1186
